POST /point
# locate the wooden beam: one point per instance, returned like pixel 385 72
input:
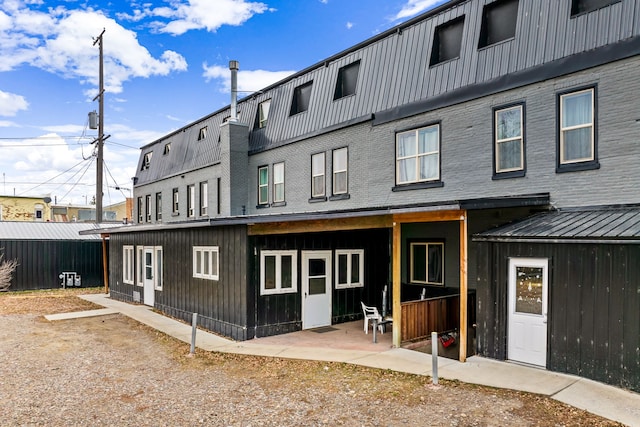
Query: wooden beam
pixel 463 287
pixel 395 284
pixel 320 225
pixel 431 216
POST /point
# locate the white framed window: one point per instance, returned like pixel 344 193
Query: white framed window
pixel 140 210
pixel 278 182
pixel 317 175
pixel 38 213
pixel 278 272
pixel 146 161
pixel 577 118
pixel 263 185
pixel 175 205
pixel 202 134
pixel 349 268
pixel 147 207
pixel 158 207
pixel 205 262
pixel 140 264
pixel 426 263
pixel 204 198
pixel 191 200
pixel 127 264
pixel 167 149
pixel 340 167
pixel 157 250
pixel 509 139
pixel 418 155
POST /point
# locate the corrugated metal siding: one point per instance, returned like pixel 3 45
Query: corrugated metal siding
pixel 594 307
pixel 20 230
pixel 604 223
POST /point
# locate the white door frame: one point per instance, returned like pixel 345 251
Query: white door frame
pixel 316 309
pixel 527 325
pixel 148 275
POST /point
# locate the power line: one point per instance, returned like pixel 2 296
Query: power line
pixel 45 182
pixel 74 185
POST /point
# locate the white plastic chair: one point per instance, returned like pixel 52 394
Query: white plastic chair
pixel 371 313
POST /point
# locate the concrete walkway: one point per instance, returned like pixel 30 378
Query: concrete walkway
pixel 607 401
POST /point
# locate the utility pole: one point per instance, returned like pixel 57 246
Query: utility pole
pixel 99 159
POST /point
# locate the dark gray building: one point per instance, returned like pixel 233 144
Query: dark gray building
pixel 375 169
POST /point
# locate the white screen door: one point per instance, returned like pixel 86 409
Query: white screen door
pixel 149 283
pixel 316 289
pixel 528 290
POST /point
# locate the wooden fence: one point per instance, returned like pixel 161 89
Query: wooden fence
pixel 421 317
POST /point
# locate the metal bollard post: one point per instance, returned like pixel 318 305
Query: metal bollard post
pixel 434 357
pixel 194 328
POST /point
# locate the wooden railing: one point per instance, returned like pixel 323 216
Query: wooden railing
pixel 421 317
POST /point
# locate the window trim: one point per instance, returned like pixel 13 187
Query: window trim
pixel 340 90
pixel 435 57
pixel 175 201
pixel 140 265
pixel 212 251
pixel 158 276
pixel 334 171
pixel 418 183
pixel 294 272
pixel 276 183
pixel 322 195
pixel 261 118
pixel 261 202
pixel 349 253
pixel 128 265
pixel 584 164
pixel 427 243
pixel 512 172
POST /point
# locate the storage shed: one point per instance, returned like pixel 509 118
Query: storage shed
pixel 47 250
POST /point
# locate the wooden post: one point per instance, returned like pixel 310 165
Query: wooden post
pixel 395 248
pixel 105 266
pixel 463 286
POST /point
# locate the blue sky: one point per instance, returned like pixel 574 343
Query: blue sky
pixel 166 65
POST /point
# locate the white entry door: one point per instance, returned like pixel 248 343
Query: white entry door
pixel 528 290
pixel 316 289
pixel 149 282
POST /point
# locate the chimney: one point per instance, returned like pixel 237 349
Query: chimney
pixel 233 66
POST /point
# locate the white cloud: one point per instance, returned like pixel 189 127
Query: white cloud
pixel 197 14
pixel 10 103
pixel 349 25
pixel 61 42
pixel 248 81
pixel 414 7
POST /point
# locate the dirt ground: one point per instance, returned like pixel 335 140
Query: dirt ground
pixel 111 370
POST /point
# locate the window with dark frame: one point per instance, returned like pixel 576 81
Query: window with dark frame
pixel 146 161
pixel 147 208
pixel 447 40
pixel 577 145
pixel 317 175
pixel 191 201
pixel 158 206
pixel 278 182
pixel 418 155
pixel 347 80
pixel 263 185
pixel 340 170
pixel 204 198
pixel 301 98
pixel 498 22
pixel 262 115
pixel 426 263
pixel 584 6
pixel 508 146
pixel 202 134
pixel 175 206
pixel 167 148
pixel 140 210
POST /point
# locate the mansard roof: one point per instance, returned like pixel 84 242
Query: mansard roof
pixel 448 55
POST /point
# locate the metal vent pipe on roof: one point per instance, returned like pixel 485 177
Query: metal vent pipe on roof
pixel 233 66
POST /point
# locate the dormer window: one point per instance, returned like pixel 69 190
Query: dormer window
pixel 347 79
pixel 202 134
pixel 167 148
pixel 146 161
pixel 498 22
pixel 447 40
pixel 301 98
pixel 262 114
pixel 584 6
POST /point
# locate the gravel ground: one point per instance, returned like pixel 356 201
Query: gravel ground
pixel 113 371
